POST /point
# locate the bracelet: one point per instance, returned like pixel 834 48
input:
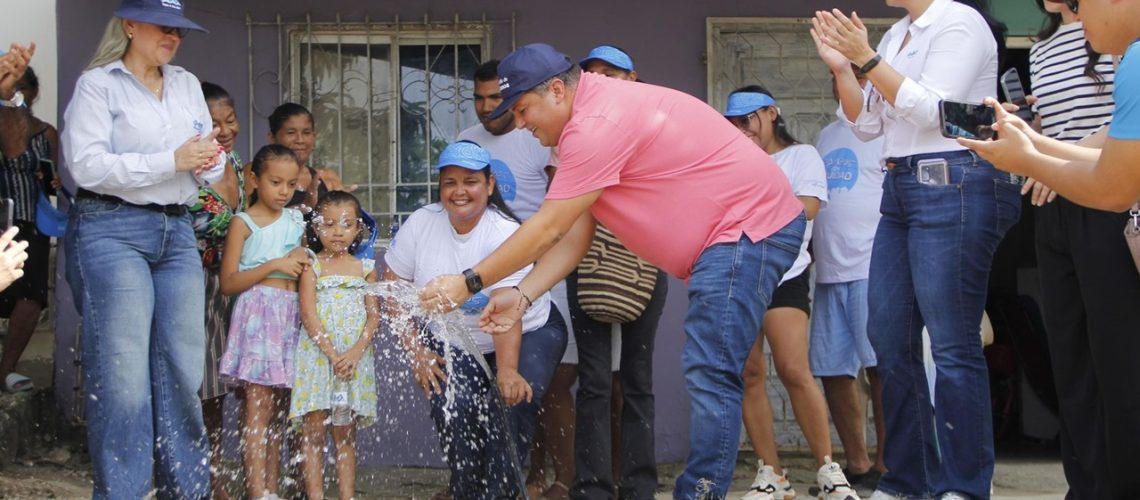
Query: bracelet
pixel 870 65
pixel 527 299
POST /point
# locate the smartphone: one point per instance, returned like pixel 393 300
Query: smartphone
pixel 960 119
pixel 8 211
pixel 933 172
pixel 1015 93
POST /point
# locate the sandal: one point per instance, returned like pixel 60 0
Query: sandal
pixel 15 382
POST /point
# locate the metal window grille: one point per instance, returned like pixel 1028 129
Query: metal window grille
pixel 386 97
pixel 779 54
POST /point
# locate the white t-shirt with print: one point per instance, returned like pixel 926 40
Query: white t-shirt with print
pixel 844 233
pixel 428 246
pixel 523 182
pixel 804 168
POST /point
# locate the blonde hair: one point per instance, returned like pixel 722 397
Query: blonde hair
pixel 113 45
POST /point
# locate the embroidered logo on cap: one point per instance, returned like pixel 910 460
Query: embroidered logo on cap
pixel 172 4
pixel 504 84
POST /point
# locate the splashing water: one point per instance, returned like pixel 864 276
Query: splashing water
pixel 450 329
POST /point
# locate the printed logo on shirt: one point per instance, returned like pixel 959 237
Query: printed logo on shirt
pixel 508 186
pixel 842 168
pixel 172 4
pixel 199 126
pixel 475 304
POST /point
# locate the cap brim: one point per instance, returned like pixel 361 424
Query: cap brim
pixel 159 18
pixel 586 62
pixel 506 104
pixel 732 113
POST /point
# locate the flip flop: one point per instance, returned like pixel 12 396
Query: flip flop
pixel 15 382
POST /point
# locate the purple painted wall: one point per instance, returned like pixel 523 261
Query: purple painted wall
pixel 667 39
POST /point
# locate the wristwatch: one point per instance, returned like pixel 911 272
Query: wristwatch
pixel 17 101
pixel 474 282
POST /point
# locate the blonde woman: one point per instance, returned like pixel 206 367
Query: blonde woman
pixel 139 144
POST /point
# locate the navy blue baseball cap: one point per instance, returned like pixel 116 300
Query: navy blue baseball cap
pixel 526 68
pixel 610 55
pixel 157 12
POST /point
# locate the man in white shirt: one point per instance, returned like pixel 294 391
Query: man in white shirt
pixel 843 235
pixel 520 163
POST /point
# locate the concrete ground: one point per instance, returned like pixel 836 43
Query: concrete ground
pixel 57 468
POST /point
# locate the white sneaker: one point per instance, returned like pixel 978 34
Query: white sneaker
pixel 879 495
pixel 769 486
pixel 832 483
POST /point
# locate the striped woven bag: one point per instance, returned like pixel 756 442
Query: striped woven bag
pixel 614 285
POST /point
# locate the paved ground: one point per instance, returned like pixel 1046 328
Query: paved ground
pixel 58 469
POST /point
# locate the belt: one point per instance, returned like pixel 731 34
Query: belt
pixel 912 160
pixel 176 209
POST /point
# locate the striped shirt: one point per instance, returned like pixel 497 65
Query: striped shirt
pixel 18 179
pixel 1071 104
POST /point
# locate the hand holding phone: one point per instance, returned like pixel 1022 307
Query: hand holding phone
pixel 960 119
pixel 1015 93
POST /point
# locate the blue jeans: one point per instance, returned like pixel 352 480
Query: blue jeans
pixel 729 292
pixel 471 433
pixel 930 266
pixel 137 279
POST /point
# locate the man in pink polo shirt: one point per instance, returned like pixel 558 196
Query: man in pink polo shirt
pixel 680 187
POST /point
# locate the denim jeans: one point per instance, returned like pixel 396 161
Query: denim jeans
pixel 930 266
pixel 137 279
pixel 471 433
pixel 593 456
pixel 729 291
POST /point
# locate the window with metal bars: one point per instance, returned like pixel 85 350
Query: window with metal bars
pixel 385 103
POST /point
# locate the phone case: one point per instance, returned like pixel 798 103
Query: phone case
pixel 933 172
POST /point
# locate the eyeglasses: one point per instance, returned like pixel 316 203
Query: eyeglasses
pixel 169 30
pixel 741 122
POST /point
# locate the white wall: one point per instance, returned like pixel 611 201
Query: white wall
pixel 23 21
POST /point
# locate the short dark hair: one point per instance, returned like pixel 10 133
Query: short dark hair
pixel 284 112
pixel 487 71
pixel 782 132
pixel 30 81
pixel 569 77
pixel 215 92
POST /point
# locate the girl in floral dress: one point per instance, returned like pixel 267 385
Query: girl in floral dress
pixel 335 370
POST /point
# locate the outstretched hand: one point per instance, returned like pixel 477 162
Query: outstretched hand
pixel 444 293
pixel 505 309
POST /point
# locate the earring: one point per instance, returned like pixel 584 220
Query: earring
pixel 130 36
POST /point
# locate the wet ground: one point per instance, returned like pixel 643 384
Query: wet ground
pixel 55 466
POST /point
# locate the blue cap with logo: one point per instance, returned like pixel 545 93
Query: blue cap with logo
pixel 464 154
pixel 743 103
pixel 526 68
pixel 157 12
pixel 610 55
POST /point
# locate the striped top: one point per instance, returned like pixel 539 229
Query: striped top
pixel 1071 104
pixel 18 179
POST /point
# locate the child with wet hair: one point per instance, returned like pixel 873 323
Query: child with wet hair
pixel 335 381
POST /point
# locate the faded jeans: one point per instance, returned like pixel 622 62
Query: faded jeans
pixel 137 278
pixel 729 291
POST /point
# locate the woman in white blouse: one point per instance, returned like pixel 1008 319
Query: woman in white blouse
pixel 138 143
pixel 944 212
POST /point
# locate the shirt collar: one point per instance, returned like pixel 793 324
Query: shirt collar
pixel 932 13
pixel 117 65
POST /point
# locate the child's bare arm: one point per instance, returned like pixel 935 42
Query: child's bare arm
pixel 312 322
pixel 233 281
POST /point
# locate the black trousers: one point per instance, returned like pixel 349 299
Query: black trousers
pixel 1091 294
pixel 592 444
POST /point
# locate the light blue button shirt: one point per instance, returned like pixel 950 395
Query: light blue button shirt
pixel 119 139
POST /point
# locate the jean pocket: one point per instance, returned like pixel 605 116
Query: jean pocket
pixel 1007 197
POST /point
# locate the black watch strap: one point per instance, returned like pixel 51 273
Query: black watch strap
pixel 871 64
pixel 474 281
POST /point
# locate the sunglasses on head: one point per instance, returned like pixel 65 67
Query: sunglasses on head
pixel 169 30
